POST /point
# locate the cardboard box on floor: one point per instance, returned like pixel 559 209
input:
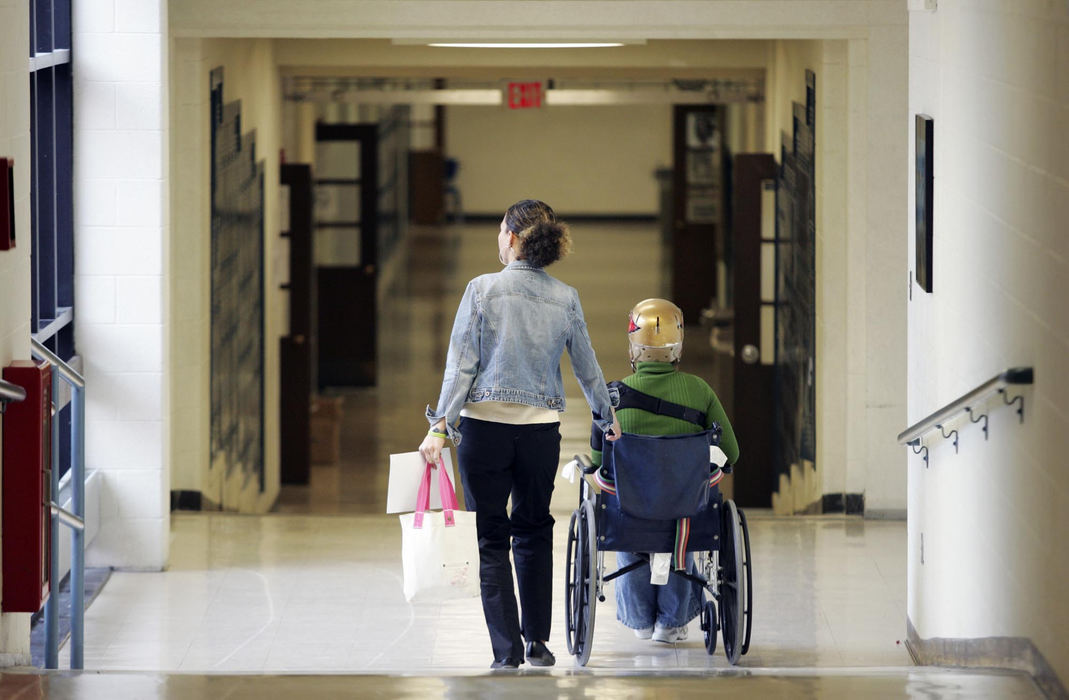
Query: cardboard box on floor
pixel 325 429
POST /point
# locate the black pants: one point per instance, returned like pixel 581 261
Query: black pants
pixel 498 460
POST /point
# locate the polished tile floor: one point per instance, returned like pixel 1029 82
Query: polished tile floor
pixel 307 601
pixel 323 594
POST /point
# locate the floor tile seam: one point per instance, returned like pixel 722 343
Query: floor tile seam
pixel 411 623
pixel 831 632
pixel 263 628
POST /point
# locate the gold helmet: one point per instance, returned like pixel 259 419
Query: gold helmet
pixel 655 332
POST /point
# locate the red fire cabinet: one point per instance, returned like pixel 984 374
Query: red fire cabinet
pixel 27 488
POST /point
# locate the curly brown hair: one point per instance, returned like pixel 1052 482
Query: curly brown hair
pixel 543 239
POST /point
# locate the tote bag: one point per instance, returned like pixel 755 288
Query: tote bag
pixel 439 549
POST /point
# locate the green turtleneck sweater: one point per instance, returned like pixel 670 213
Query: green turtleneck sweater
pixel 665 381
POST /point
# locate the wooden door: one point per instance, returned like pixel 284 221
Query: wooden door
pixel 297 347
pixel 346 245
pixel 753 292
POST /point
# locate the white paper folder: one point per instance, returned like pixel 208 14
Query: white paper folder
pixel 406 471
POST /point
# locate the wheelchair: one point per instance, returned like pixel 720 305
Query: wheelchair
pixel 638 511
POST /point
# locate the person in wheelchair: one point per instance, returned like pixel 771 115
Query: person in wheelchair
pixel 658 399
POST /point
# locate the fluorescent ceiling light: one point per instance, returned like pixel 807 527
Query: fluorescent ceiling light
pixel 531 45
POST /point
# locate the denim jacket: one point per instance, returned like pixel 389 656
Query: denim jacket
pixel 508 337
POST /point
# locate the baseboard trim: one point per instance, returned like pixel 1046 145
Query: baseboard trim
pixel 832 503
pixel 12 659
pixel 1013 653
pixel 847 503
pixel 885 514
pixel 855 503
pixel 191 500
pixel 185 500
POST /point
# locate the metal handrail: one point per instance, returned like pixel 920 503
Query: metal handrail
pixel 1013 376
pixel 66 371
pixel 69 519
pixel 75 520
pixel 10 393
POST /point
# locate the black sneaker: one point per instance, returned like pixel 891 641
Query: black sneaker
pixel 539 655
pixel 507 662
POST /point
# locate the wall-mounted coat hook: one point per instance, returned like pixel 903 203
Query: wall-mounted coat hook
pixel 946 436
pixel 919 448
pixel 982 416
pixel 1019 400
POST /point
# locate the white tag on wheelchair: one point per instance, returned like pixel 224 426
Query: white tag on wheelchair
pixel 569 471
pixel 717 456
pixel 660 564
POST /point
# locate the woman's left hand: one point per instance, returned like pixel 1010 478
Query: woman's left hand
pixel 431 449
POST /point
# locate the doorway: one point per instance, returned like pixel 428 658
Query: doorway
pixel 346 246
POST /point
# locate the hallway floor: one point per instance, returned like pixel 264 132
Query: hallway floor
pixel 307 600
pixel 323 594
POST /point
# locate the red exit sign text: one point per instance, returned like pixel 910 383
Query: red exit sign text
pixel 525 95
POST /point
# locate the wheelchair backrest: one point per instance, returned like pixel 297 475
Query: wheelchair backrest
pixel 661 477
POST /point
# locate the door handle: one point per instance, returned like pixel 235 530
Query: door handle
pixel 750 354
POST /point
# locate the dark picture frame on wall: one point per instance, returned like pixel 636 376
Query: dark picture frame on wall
pixel 925 147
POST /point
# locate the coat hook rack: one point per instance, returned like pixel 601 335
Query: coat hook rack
pixel 1000 383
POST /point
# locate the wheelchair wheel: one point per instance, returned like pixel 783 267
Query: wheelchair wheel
pixel 709 626
pixel 581 581
pixel 749 581
pixel 732 583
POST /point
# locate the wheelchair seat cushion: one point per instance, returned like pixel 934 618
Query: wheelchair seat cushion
pixel 661 477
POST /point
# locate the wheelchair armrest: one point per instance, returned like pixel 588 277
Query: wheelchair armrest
pixel 585 464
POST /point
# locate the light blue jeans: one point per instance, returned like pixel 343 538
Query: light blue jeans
pixel 640 604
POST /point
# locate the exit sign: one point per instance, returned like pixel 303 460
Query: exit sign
pixel 525 95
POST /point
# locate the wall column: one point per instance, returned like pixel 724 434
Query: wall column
pixel 121 232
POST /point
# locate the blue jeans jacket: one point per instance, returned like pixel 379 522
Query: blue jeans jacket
pixel 508 337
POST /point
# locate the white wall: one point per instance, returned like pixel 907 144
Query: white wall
pixel 15 143
pixel 121 232
pixel 875 190
pixel 993 518
pixel 582 160
pixel 249 75
pixel 15 264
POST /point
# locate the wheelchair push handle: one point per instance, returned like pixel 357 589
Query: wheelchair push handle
pixel 585 464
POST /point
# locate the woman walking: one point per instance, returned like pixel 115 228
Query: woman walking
pixel 500 399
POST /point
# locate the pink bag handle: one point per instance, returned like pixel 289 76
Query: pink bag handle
pixel 445 490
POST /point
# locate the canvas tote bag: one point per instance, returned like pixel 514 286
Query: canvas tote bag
pixel 439 549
